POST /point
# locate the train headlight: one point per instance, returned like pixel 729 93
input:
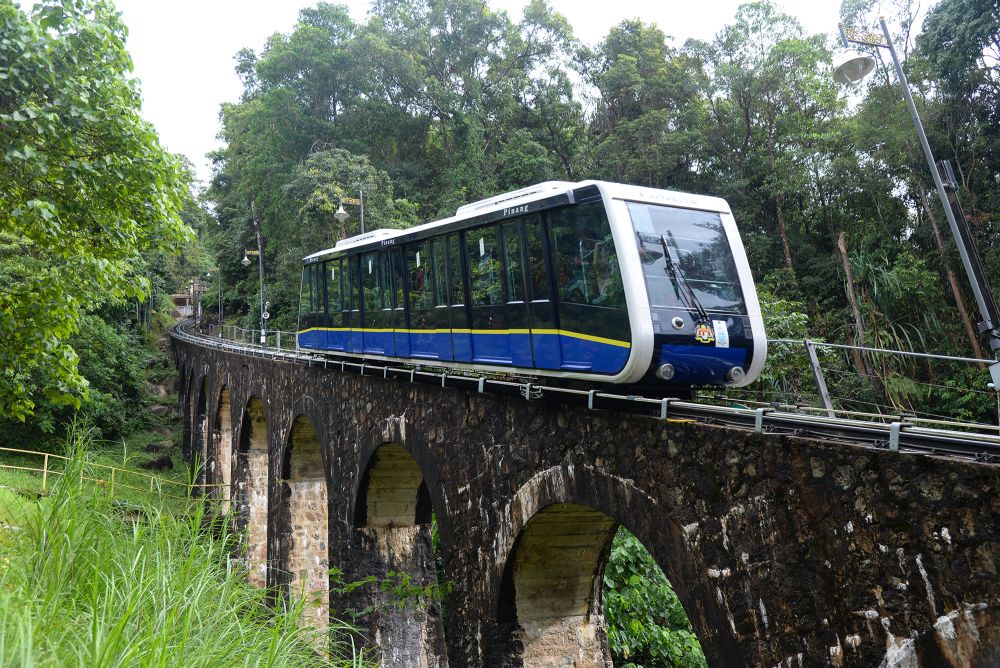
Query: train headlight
pixel 665 372
pixel 735 375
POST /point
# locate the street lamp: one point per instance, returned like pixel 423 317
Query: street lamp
pixel 342 215
pixel 852 68
pixel 218 278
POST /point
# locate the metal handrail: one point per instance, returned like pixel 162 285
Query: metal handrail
pixel 906 353
pixel 112 482
pixel 897 430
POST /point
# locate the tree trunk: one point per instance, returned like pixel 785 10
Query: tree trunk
pixel 841 242
pixel 778 201
pixel 970 331
pixel 852 297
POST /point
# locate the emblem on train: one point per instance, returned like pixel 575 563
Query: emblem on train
pixel 703 333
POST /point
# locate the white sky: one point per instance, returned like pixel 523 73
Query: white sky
pixel 183 49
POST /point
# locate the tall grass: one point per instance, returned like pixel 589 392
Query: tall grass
pixel 84 584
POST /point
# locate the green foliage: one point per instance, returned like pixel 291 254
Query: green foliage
pixel 646 625
pixel 431 104
pixel 81 584
pixel 85 191
pixel 787 375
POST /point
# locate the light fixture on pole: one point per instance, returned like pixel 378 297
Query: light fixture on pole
pixel 263 308
pixel 851 66
pixel 359 201
pixel 852 70
pixel 341 215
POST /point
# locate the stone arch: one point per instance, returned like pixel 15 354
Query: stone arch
pixel 549 587
pixel 392 532
pixel 220 459
pixel 303 530
pixel 250 492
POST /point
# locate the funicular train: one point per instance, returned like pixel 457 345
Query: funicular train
pixel 592 281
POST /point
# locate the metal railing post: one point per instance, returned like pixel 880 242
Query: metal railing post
pixel 817 371
pixel 45 472
pixel 279 339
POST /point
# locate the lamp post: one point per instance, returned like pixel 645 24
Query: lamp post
pixel 264 315
pixel 853 67
pixel 218 278
pixel 342 215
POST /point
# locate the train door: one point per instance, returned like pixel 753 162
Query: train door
pixel 420 296
pixel 335 336
pixel 376 305
pixel 594 331
pixel 356 342
pixel 487 314
pixel 461 336
pixel 401 336
pixel 441 316
pixel 542 318
pixel 516 312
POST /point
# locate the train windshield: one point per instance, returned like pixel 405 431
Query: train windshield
pixel 686 259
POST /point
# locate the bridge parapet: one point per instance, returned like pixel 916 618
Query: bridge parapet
pixel 782 549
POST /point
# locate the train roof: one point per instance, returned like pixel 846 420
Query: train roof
pixel 540 196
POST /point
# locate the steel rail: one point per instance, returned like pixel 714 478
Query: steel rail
pixel 898 435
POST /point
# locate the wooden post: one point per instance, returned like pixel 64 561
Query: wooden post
pixel 45 472
pixel 111 491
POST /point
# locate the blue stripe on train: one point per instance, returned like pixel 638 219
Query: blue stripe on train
pixel 551 351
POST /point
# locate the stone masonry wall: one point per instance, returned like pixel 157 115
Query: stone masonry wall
pixel 307 555
pixel 783 550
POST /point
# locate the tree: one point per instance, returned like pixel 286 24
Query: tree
pixel 85 190
pixel 650 116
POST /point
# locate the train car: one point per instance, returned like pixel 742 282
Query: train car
pixel 591 281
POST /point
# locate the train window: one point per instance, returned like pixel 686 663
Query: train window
pixel 418 266
pixel 439 275
pixel 538 275
pixel 455 271
pixel 484 265
pixel 305 296
pixel 396 255
pixel 584 257
pixel 319 302
pixel 513 278
pixel 696 246
pixel 384 283
pixel 333 300
pixel 370 270
pixel 352 300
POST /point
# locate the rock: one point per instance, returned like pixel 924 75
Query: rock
pixel 159 447
pixel 160 410
pixel 159 464
pixel 163 431
pixel 156 390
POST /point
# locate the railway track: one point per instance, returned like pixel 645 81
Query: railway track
pixel 965 440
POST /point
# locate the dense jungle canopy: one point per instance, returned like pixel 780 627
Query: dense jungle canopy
pixel 430 104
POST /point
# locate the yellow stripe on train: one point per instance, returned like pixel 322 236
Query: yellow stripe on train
pixel 560 332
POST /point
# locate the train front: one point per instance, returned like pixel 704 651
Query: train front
pixel 707 325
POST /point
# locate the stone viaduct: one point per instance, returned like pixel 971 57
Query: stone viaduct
pixel 784 551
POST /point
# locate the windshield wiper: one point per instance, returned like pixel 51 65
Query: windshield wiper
pixel 681 284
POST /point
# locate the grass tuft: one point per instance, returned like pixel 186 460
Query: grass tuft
pixel 83 584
